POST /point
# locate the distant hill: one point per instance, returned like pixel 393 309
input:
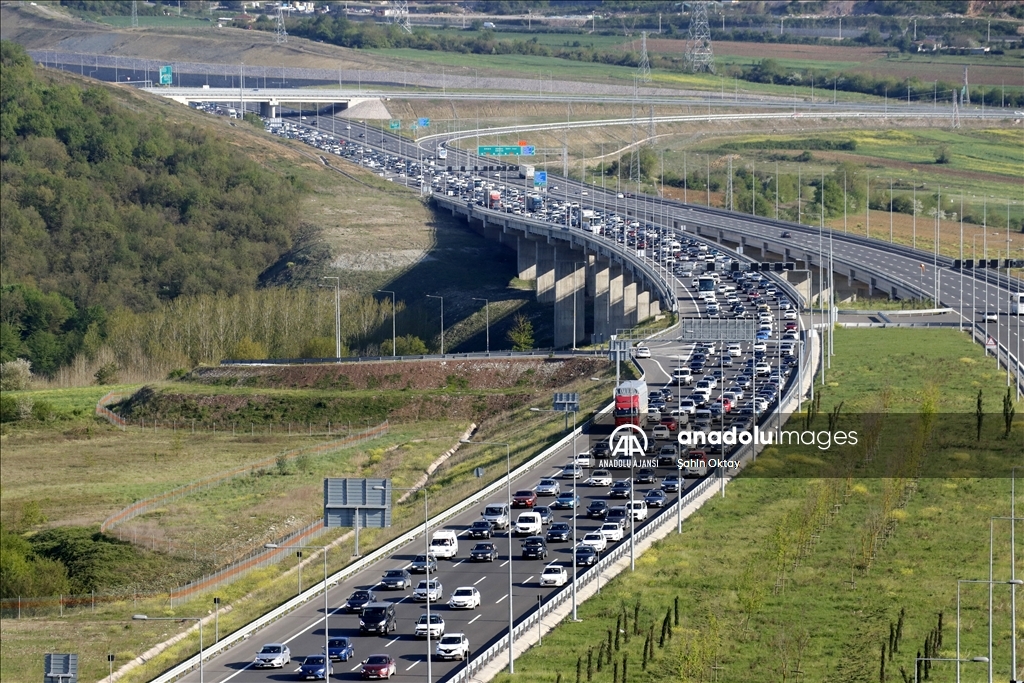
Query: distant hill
pixel 106 204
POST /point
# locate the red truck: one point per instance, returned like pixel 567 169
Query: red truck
pixel 631 403
pixel 494 200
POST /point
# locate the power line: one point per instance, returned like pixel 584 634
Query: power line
pixel 643 71
pixel 135 14
pixel 280 34
pixel 400 14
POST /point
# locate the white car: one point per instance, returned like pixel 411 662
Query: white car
pixel 583 459
pixel 529 524
pixel 600 478
pixel 734 350
pixel 433 629
pixel 596 540
pixel 452 646
pixel 433 591
pixel 688 406
pixel 639 509
pixel 642 352
pixel 464 597
pixel 789 315
pixel 554 575
pixel 274 655
pixel 612 532
pixel 760 346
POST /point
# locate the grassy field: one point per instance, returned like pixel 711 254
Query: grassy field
pixel 757 604
pixel 84 630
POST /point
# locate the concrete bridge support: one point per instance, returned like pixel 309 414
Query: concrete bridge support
pixel 629 301
pixel 546 254
pixel 616 297
pixel 570 298
pixel 602 300
pixel 526 252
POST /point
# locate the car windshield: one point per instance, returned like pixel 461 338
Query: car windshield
pixel 360 595
pixel 451 640
pixel 270 650
pixel 393 574
pixel 552 570
pixel 315 659
pixel 547 482
pixel 377 659
pixel 463 591
pixel 524 494
pixel 434 619
pixel 341 642
pixel 561 526
pixel 420 558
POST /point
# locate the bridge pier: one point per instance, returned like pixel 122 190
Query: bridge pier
pixel 545 273
pixel 629 296
pixel 526 251
pixel 643 305
pixel 602 300
pixel 570 298
pixel 616 297
pixel 268 110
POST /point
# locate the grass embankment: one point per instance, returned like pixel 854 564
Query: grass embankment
pixel 254 503
pixel 773 580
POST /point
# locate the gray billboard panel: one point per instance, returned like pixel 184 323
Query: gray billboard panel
pixel 717 329
pixel 60 668
pixel 345 497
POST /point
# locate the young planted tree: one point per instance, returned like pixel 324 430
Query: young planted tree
pixel 1008 412
pixel 521 334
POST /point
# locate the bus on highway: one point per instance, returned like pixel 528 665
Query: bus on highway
pixel 1016 303
pixel 706 286
pixel 442 152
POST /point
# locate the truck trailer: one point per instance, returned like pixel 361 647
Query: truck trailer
pixel 631 403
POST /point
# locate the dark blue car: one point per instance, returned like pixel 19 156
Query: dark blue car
pixel 315 667
pixel 340 649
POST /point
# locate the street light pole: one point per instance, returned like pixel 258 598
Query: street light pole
pixel 394 339
pixel 487 323
pixel 144 617
pixel 1013 583
pixel 327 610
pixel 434 296
pixel 508 482
pixel 337 315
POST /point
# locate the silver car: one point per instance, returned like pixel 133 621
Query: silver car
pixel 273 655
pixel 548 487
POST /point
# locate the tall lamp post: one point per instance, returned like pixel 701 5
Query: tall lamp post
pixel 575 616
pixel 434 296
pixel 327 611
pixel 394 339
pixel 508 482
pixel 487 313
pixel 1013 583
pixel 337 315
pixel 426 551
pixel 144 617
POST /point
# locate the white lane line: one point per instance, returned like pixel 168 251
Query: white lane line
pixel 358 666
pixel 481 579
pixel 500 599
pixel 504 563
pixel 475 618
pixel 297 669
pixel 389 644
pixel 528 579
pixel 412 665
pixel 244 668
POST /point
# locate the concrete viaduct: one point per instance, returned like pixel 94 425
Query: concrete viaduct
pixel 596 285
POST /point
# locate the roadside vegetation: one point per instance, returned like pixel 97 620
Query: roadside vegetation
pixel 833 575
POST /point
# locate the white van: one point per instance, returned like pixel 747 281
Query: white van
pixel 528 524
pixel 444 544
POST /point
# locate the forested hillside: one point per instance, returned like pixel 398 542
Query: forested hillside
pixel 104 207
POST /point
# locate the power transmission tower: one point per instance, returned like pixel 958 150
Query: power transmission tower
pixel 400 14
pixel 643 71
pixel 699 54
pixel 634 148
pixel 967 88
pixel 650 126
pixel 956 109
pixel 280 34
pixel 135 14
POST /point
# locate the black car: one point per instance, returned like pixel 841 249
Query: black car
pixel 597 509
pixel 645 476
pixel 600 449
pixel 620 489
pixel 481 528
pixel 559 531
pixel 378 617
pixel 585 555
pixel 358 600
pixel 535 548
pixel 396 579
pixel 655 498
pixel 786 234
pixel 422 563
pixel 484 552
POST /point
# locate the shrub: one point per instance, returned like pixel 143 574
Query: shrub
pixel 107 374
pixel 43 411
pixel 15 375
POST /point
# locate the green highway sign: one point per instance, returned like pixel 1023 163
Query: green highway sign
pixel 499 150
pixel 394 124
pixel 166 75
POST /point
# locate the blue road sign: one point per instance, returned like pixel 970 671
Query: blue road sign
pixel 423 123
pixel 540 178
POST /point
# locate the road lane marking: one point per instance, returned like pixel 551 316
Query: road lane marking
pixel 480 579
pixel 356 667
pixel 392 642
pixel 244 668
pixel 528 579
pixel 475 618
pixel 504 563
pixel 412 665
pixel 500 599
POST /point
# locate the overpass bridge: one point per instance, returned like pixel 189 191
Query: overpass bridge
pixel 270 100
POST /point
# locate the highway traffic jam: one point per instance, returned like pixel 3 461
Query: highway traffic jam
pixel 444 598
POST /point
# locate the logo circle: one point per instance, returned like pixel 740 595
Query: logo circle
pixel 639 438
